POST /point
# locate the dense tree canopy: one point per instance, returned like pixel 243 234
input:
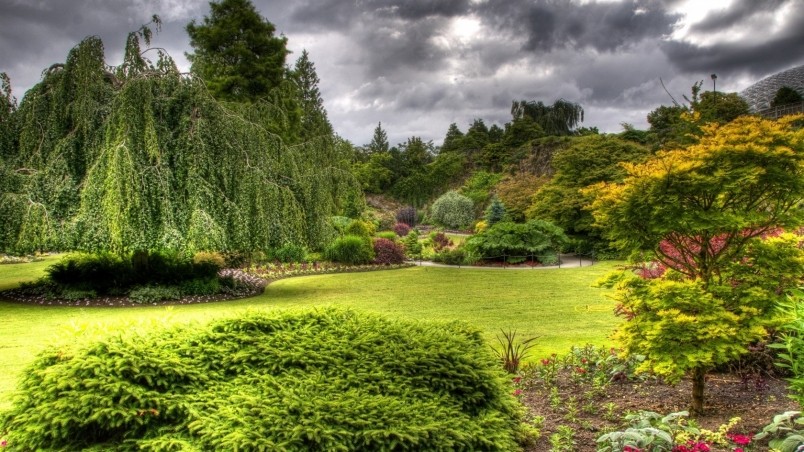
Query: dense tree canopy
pixel 586 161
pixel 235 51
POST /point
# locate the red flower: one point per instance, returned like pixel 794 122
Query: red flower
pixel 631 449
pixel 580 370
pixel 545 362
pixel 517 392
pixel 517 380
pixel 740 440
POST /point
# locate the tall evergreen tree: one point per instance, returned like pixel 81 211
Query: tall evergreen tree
pixel 379 142
pixel 314 122
pixel 453 139
pixel 236 52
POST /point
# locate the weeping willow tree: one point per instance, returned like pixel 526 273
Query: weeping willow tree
pixel 557 119
pixel 140 158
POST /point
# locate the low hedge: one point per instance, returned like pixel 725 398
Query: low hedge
pixel 313 380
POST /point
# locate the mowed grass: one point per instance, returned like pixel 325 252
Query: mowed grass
pixel 560 306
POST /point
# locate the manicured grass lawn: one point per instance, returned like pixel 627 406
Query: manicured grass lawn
pixel 559 306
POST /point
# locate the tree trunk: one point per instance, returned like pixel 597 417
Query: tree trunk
pixel 698 383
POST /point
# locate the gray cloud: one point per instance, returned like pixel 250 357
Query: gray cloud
pixel 738 13
pixel 759 53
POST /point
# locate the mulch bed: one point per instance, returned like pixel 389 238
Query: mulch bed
pixel 591 412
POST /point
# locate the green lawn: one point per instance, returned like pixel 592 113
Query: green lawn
pixel 559 306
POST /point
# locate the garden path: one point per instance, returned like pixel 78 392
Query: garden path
pixel 565 261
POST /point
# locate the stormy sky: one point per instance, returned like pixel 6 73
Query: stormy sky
pixel 419 65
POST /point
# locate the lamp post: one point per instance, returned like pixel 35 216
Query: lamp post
pixel 714 91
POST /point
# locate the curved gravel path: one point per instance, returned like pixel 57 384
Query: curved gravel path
pixel 566 261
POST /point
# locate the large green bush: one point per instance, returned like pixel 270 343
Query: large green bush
pixel 453 210
pixel 538 238
pixel 315 380
pixel 351 249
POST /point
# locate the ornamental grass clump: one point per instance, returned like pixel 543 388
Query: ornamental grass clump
pixel 313 380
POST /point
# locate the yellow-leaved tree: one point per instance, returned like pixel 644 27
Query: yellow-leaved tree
pixel 720 224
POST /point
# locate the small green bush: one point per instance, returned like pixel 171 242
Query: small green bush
pixel 314 380
pixel 453 210
pixel 290 252
pixel 413 249
pixel 351 249
pixel 390 235
pixel 451 257
pixel 200 286
pixel 150 294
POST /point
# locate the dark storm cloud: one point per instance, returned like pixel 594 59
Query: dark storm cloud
pixel 605 27
pixel 335 14
pixel 760 53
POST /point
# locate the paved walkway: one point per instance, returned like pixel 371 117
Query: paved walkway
pixel 566 261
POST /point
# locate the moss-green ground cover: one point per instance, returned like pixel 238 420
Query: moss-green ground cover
pixel 560 306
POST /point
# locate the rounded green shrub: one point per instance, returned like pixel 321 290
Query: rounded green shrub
pixel 453 210
pixel 361 228
pixel 351 249
pixel 314 380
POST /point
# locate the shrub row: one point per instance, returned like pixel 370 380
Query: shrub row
pixel 114 275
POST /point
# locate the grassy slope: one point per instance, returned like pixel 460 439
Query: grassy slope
pixel 559 306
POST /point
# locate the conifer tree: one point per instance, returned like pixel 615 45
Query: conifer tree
pixel 314 122
pixel 235 51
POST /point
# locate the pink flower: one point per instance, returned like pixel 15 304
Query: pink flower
pixel 739 449
pixel 631 449
pixel 3 443
pixel 517 392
